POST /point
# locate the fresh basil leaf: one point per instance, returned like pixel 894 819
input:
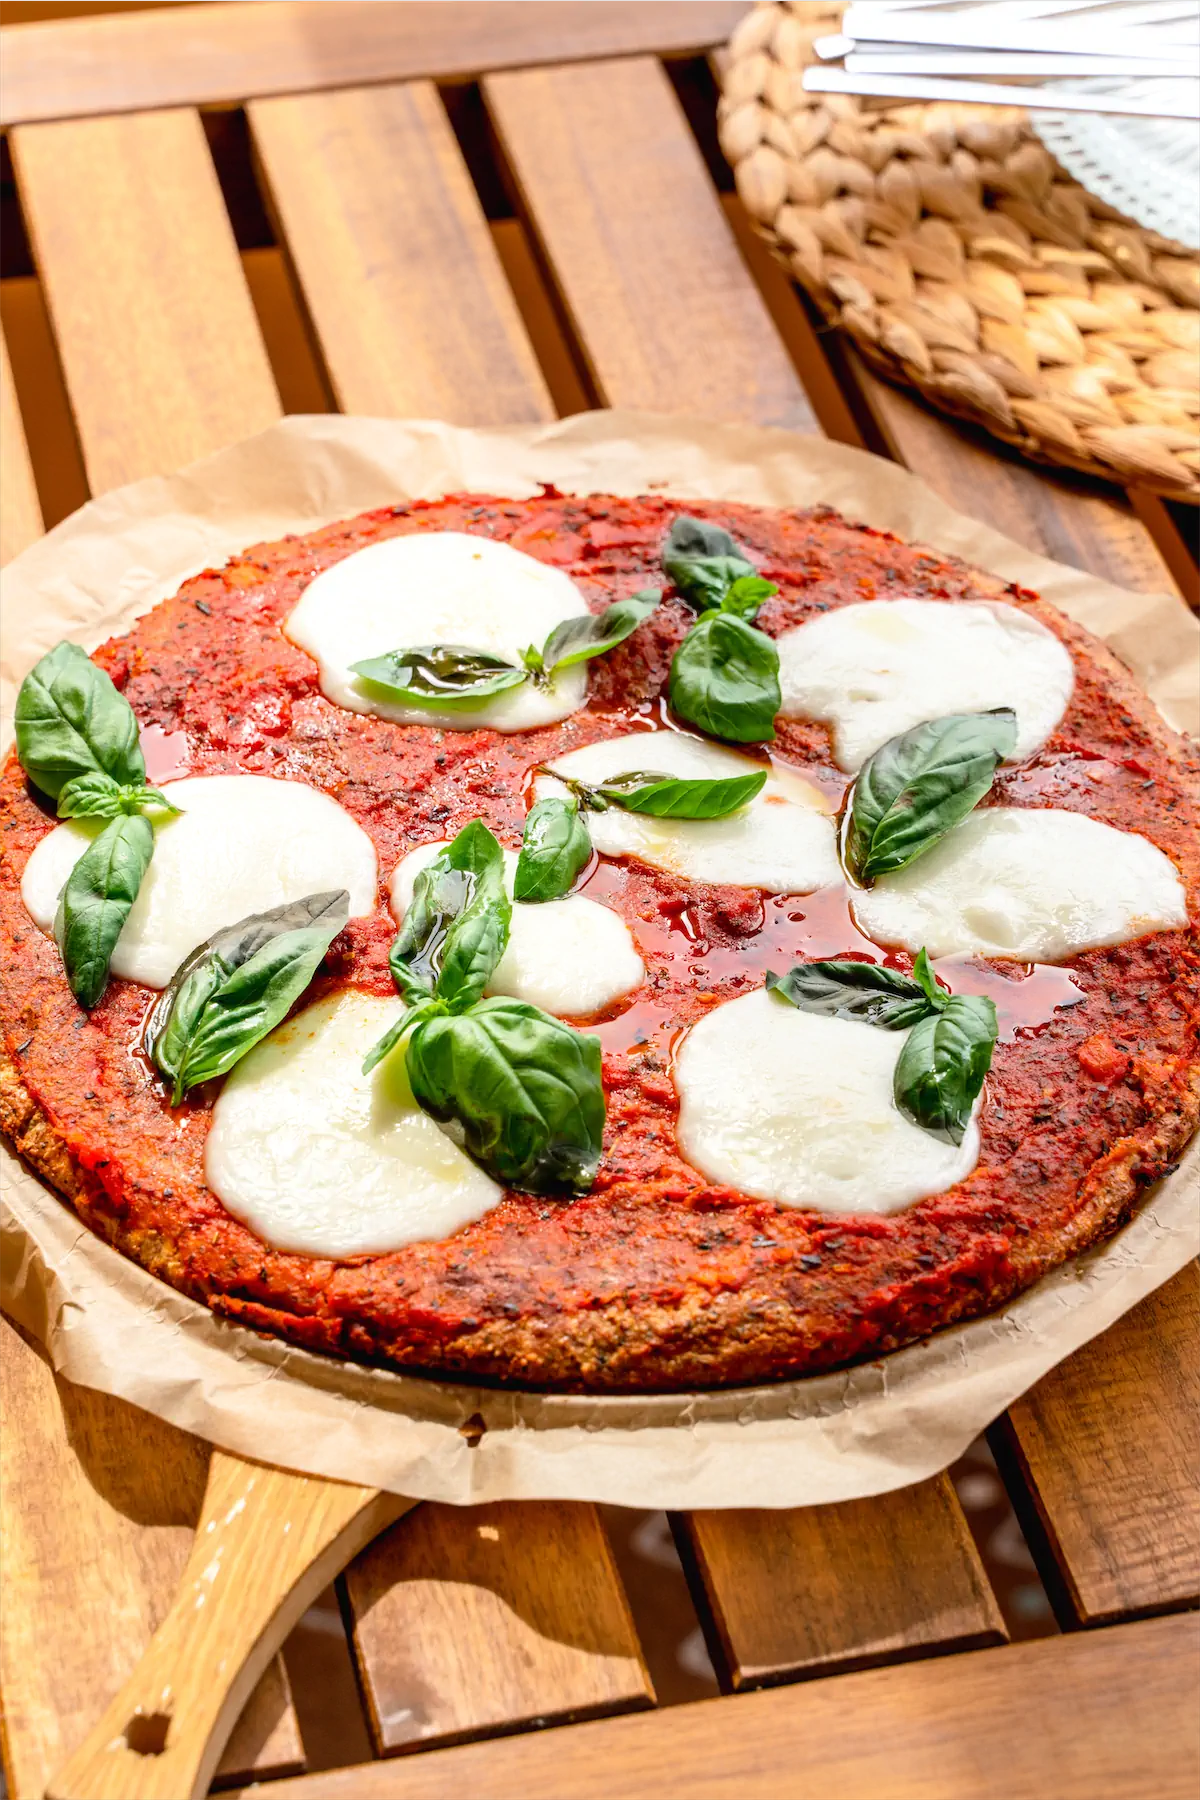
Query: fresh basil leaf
pixel 440 674
pixel 409 1019
pixel 70 720
pixel 523 1089
pixel 230 991
pixel 456 928
pixel 942 1066
pixel 97 899
pixel 746 596
pixel 919 786
pixel 704 562
pixel 555 848
pixel 478 937
pixel 668 797
pixel 592 634
pixel 92 796
pixel 854 990
pixel 927 981
pixel 439 894
pixel 725 680
pixel 98 796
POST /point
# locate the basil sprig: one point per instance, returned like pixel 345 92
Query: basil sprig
pixel 98 796
pixel 522 1089
pixel 725 675
pixel 454 674
pixel 591 634
pixel 555 849
pixel 943 1064
pixel 71 721
pixel 919 786
pixel 854 990
pixel 233 989
pixel 948 1052
pixel 97 899
pixel 77 740
pixel 664 796
pixel 439 673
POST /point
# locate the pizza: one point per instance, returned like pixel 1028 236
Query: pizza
pixel 598 944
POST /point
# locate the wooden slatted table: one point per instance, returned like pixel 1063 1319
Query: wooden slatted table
pixel 495 213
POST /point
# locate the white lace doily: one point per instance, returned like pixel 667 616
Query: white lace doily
pixel 1148 168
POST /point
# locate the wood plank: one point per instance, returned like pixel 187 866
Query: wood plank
pixel 1068 517
pixel 1112 1713
pixel 20 513
pixel 97 1502
pixel 206 55
pixel 394 257
pixel 469 1622
pixel 160 346
pixel 823 1589
pixel 632 231
pixel 1109 1446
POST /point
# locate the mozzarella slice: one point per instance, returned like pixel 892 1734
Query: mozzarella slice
pixel 241 844
pixel 783 842
pixel 316 1157
pixel 571 957
pixel 1039 885
pixel 792 1107
pixel 439 587
pixel 875 670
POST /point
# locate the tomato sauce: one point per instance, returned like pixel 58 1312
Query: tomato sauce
pixel 657 1277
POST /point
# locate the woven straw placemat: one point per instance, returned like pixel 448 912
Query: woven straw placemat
pixel 965 263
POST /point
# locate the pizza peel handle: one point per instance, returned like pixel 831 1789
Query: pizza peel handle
pixel 267 1543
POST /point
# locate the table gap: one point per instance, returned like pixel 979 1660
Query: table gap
pixel 325 1691
pixel 55 455
pixel 16 256
pixel 660 1597
pixel 288 337
pixel 1003 1445
pixel 554 341
pixel 812 347
pixel 228 134
pixel 696 90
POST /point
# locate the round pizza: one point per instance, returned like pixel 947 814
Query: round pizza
pixel 598 944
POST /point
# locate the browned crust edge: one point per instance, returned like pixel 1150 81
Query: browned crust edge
pixel 608 1348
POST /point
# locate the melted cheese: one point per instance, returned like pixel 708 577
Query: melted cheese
pixel 783 842
pixel 318 1158
pixel 792 1107
pixel 571 957
pixel 439 587
pixel 242 843
pixel 874 670
pixel 1039 885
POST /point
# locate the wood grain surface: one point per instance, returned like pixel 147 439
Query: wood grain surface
pixel 822 1589
pixel 266 1543
pixel 1074 520
pixel 20 513
pixel 394 257
pixel 1109 1715
pixel 619 200
pixel 160 345
pixel 98 1505
pixel 1109 1444
pixel 486 1619
pixel 200 55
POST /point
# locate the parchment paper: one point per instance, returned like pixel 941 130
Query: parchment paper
pixel 109 1325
